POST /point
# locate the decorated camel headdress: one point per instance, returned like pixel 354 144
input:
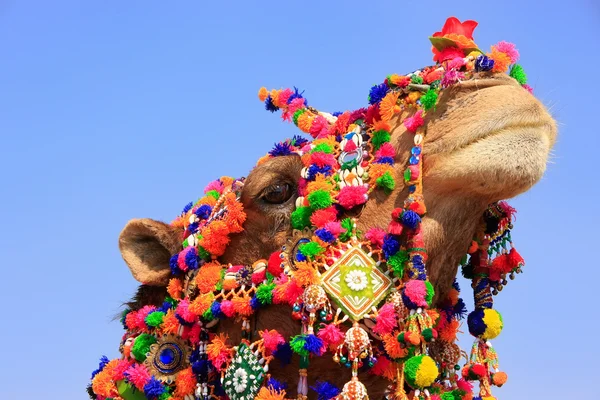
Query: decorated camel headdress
pixel 331 274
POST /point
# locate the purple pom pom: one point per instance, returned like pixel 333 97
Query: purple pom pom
pixel 284 353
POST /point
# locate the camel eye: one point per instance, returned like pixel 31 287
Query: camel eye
pixel 278 193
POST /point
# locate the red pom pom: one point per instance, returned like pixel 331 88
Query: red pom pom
pixel 414 122
pixel 386 150
pixel 322 217
pixel 274 265
pixel 514 259
pixel 418 207
pixel 259 277
pixel 372 114
pixel 395 228
pixel 478 370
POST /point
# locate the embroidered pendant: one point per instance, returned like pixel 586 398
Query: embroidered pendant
pixel 244 376
pixel 355 282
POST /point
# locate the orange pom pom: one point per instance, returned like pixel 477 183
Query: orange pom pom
pixel 305 121
pixel 242 306
pixel 305 274
pixel 381 126
pixel 175 288
pixel 208 277
pixel 201 303
pixel 499 378
pixel 269 394
pixel 388 107
pixel 215 238
pixel 263 93
pixel 447 330
pixel 170 324
pixel 320 183
pixel 392 346
pixel 413 97
pixel 501 60
pixel 185 382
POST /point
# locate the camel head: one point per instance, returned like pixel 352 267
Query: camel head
pixel 481 137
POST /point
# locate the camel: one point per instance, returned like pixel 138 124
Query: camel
pixel 488 139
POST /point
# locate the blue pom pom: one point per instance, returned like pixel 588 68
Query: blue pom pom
pixel 337 113
pixel 297 95
pixel 325 235
pixel 103 361
pixel 193 227
pixel 385 160
pixel 281 149
pixel 475 321
pixel 313 170
pixel 483 63
pixel 215 310
pixel 460 309
pixel 154 388
pixel 173 264
pixel 191 258
pixel 408 302
pixel 313 344
pixel 390 246
pixel 410 219
pixel 284 353
pixel 254 303
pixel 187 207
pixel 203 212
pixel 166 306
pixel 325 390
pixel 377 93
pixel 269 106
pixel 298 141
pixel 276 385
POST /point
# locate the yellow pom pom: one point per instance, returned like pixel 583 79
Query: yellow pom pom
pixel 426 373
pixel 493 323
pixel 263 93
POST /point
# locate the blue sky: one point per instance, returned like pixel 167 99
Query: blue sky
pixel 114 110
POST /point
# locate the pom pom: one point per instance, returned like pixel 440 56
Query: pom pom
pixel 274 264
pixel 276 385
pixel 331 335
pixel 281 149
pixel 297 344
pixel 269 105
pixel 300 218
pixel 429 99
pixel 386 182
pixel 215 310
pixel 509 49
pixel 483 63
pixel 319 199
pixel 227 308
pixel 379 138
pixel 264 293
pixel 485 323
pixel 155 319
pixel 271 340
pixel 321 217
pixel 313 344
pixel 325 390
pixel 375 236
pixel 204 211
pixel 352 196
pixel 420 371
pixel 414 122
pixel 141 346
pixel 138 375
pixel 154 388
pixel 414 294
pixel 218 351
pixel 390 246
pixel 325 235
pixel 284 353
pixel 518 73
pixel 410 219
pixel 311 249
pixel 377 93
pixel 263 93
pixel 499 378
pixel 386 320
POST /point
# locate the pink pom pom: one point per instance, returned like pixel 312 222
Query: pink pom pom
pixel 528 88
pixel 414 122
pixel 456 63
pixel 386 320
pixel 192 334
pixel 259 277
pixel 227 308
pixel 350 146
pixel 284 95
pixel 141 315
pixel 120 368
pixel 184 312
pixel 380 366
pixel 322 159
pixel 181 260
pixel 386 150
pixel 375 236
pixel 509 49
pixel 352 196
pixel 292 292
pixel 295 105
pixel 464 385
pixel 138 375
pixel 318 124
pixel 335 228
pixel 286 116
pixel 271 339
pixel 436 397
pixel 451 77
pixel 214 185
pixel 415 291
pixel 331 335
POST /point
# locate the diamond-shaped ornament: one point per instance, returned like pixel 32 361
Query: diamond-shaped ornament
pixel 355 283
pixel 244 376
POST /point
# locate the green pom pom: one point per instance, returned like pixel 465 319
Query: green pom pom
pixel 429 99
pixel 311 249
pixel 453 395
pixel 300 218
pixel 202 253
pixel 387 182
pixel 320 199
pixel 416 79
pixel 297 114
pixel 323 148
pixel 401 338
pixel 155 318
pixel 297 345
pixel 348 226
pixel 397 262
pixel 430 292
pixel 264 293
pixel 517 72
pixel 213 193
pixel 379 138
pixel 427 334
pixel 141 346
pixel 208 315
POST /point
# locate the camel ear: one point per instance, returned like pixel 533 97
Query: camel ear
pixel 147 246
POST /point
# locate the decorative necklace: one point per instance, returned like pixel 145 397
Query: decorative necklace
pixel 332 275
